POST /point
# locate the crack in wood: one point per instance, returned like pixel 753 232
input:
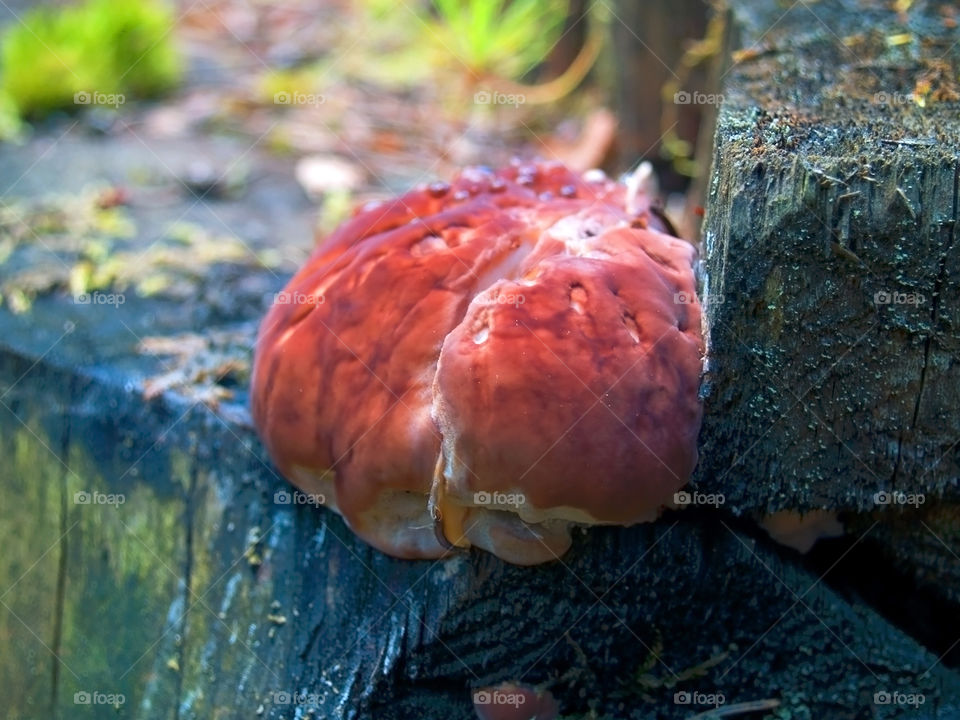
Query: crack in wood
pixel 937 289
pixel 188 516
pixel 61 566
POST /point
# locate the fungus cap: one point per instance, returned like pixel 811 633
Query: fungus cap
pixel 487 363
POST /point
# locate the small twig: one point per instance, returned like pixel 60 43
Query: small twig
pixel 847 254
pixel 737 709
pixel 906 201
pixel 825 179
pixel 909 141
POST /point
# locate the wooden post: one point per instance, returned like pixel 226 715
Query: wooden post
pixel 830 267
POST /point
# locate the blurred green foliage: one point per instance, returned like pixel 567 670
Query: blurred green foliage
pixel 503 38
pixel 417 41
pixel 112 47
pixel 451 47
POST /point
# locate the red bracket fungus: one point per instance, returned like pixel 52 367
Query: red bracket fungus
pixel 488 363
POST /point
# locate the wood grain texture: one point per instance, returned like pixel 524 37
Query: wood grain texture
pixel 202 596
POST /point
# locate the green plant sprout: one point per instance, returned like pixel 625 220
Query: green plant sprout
pixel 499 42
pixel 496 37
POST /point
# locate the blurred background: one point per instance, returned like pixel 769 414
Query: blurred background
pixel 142 141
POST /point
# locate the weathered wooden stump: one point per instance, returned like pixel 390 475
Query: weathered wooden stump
pixel 831 276
pixel 210 592
pixel 831 272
